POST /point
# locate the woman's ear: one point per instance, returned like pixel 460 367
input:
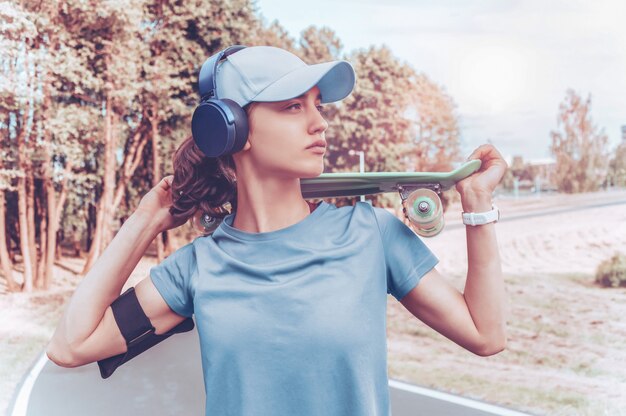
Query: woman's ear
pixel 243 150
pixel 249 109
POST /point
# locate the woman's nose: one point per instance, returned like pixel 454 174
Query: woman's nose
pixel 318 123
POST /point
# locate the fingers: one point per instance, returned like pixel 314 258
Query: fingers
pixel 166 182
pixel 489 156
pixel 485 152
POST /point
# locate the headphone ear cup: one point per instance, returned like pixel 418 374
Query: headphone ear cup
pixel 219 127
pixel 240 125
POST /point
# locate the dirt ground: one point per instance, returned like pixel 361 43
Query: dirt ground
pixel 567 336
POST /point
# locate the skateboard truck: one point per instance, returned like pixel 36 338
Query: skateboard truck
pixel 407 189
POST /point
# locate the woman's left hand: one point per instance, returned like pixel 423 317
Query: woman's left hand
pixel 484 180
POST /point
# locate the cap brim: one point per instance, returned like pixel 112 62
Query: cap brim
pixel 335 80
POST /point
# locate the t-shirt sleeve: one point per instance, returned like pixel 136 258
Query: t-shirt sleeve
pixel 173 279
pixel 407 258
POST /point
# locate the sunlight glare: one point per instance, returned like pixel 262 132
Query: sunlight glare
pixel 495 78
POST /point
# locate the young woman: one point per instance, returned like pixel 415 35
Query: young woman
pixel 289 297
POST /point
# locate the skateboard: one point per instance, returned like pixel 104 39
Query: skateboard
pixel 420 193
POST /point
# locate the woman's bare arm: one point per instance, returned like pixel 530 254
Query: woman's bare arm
pixel 476 318
pixel 88 317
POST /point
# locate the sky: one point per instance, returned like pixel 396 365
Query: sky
pixel 507 64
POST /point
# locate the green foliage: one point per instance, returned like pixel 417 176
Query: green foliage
pixel 60 63
pixel 612 272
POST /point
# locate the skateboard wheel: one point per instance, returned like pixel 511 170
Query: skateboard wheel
pixel 425 213
pixel 204 223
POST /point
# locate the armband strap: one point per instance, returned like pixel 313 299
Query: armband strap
pixel 136 329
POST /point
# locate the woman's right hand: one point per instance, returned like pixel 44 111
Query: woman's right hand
pixel 156 204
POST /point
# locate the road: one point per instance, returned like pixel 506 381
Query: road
pixel 513 210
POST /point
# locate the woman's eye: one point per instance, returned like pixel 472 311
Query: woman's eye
pixel 298 106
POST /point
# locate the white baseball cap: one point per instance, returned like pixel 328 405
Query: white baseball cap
pixel 268 74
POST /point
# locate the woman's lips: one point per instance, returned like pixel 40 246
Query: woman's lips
pixel 318 149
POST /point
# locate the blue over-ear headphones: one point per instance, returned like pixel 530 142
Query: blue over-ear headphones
pixel 219 126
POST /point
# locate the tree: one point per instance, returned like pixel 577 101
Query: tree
pixel 617 166
pixel 372 119
pixel 178 44
pixel 319 45
pixel 579 147
pixel 93 106
pixel 437 144
pixel 19 64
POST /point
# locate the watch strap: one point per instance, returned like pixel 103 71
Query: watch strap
pixel 481 218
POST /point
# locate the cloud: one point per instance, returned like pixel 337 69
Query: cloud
pixel 561 44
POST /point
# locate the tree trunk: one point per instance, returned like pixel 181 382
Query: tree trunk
pixel 5 261
pixel 30 217
pixel 43 226
pixel 54 219
pixel 156 174
pixel 103 222
pixel 132 158
pixel 109 184
pixel 48 236
pixel 22 203
pixel 23 224
pixel 94 250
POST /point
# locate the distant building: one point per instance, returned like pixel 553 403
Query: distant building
pixel 545 169
pixel 533 171
pixel 624 134
pixel 517 163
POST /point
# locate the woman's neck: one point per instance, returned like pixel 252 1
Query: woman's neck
pixel 269 205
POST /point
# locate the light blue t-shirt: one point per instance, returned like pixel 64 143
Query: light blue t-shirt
pixel 293 321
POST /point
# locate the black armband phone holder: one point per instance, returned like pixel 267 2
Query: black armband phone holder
pixel 136 329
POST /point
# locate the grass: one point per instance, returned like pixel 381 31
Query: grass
pixel 564 357
pixel 533 400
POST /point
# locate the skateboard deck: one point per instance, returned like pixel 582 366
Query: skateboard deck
pixel 419 191
pixel 369 183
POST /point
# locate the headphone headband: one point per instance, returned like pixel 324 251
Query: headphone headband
pixel 206 80
pixel 219 126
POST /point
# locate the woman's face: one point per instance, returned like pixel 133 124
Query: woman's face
pixel 281 133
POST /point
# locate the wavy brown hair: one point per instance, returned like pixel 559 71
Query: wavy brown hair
pixel 202 182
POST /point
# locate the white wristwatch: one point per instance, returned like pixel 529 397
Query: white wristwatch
pixel 480 218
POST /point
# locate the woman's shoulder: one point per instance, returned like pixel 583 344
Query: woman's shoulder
pixel 184 253
pixel 362 210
